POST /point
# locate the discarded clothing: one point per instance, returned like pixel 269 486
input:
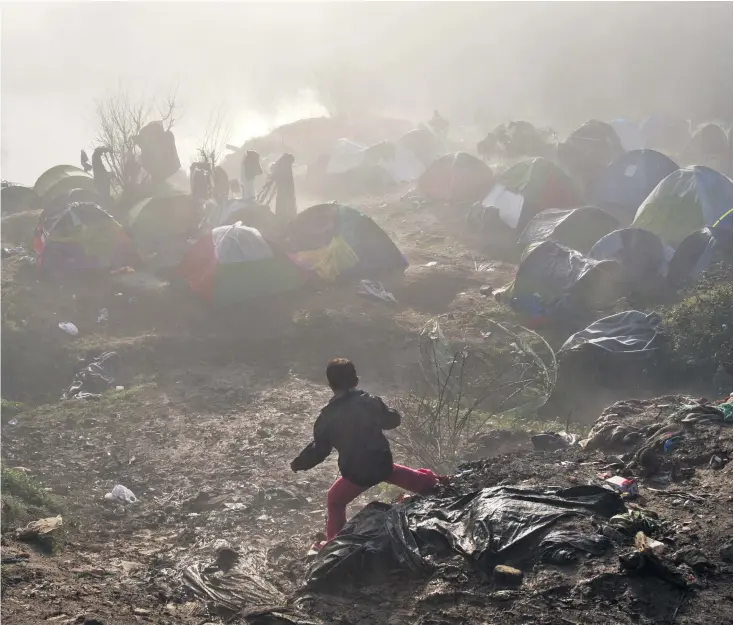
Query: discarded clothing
pixel 94 379
pixel 548 441
pixel 489 527
pixel 634 521
pixel 561 547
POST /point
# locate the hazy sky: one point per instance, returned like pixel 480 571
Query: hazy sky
pixel 551 63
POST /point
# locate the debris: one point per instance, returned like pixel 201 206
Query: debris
pixel 507 576
pixel 16 559
pixel 645 543
pixel 433 263
pixel 627 485
pixel 549 441
pixel 647 563
pixel 634 521
pixel 104 316
pixel 42 527
pixel 121 494
pixel 95 378
pixel 485 290
pixel 716 462
pixel 561 547
pixel 695 558
pixel 13 251
pixel 375 289
pixel 141 612
pixel 13 422
pixel 726 553
pixel 69 328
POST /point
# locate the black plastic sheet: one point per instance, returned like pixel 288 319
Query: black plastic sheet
pixel 488 527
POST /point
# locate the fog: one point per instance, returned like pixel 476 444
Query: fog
pixel 555 63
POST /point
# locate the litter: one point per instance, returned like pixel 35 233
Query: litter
pixel 507 576
pixel 13 422
pixel 623 484
pixel 69 328
pixel 634 521
pixel 376 289
pixel 433 263
pixel 40 528
pixel 549 441
pixel 95 378
pixel 716 463
pixel 104 316
pixel 561 547
pixel 121 494
pixel 645 543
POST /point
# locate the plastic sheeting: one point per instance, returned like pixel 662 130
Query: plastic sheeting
pixel 631 332
pixel 94 379
pixel 238 244
pixel 488 527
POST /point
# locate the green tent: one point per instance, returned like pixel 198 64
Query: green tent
pixel 541 184
pixel 16 199
pixel 164 217
pixel 686 201
pixel 60 180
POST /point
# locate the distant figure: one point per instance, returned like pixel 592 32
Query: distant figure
pixel 201 182
pixel 285 198
pixel 221 185
pixel 86 165
pixel 439 125
pixel 102 178
pixel 250 170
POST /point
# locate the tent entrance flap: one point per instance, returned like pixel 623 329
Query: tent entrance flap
pixel 508 203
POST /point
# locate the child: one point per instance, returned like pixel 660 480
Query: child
pixel 352 422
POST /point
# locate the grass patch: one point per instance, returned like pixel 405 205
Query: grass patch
pixel 24 500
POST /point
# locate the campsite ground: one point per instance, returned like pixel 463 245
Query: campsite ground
pixel 216 404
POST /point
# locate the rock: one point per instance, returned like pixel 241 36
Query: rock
pixel 726 553
pixel 485 290
pixel 507 576
pixel 503 595
pixel 716 462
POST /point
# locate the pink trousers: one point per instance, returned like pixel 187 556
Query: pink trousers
pixel 342 492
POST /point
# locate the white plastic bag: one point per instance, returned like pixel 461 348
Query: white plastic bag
pixel 121 494
pixel 69 328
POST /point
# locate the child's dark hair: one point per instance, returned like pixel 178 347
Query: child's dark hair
pixel 341 374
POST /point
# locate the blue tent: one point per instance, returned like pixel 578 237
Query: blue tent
pixel 629 180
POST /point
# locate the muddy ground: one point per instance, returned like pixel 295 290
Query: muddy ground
pixel 214 407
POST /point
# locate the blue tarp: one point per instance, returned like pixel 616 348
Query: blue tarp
pixel 629 180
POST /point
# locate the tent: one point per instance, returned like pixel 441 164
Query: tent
pixel 250 214
pixel 628 181
pixel 336 242
pixel 666 134
pixel 629 134
pixel 709 140
pixel 61 179
pixel 16 199
pixel 642 256
pixel 577 228
pixel 398 160
pixel 514 139
pixel 527 188
pixel 82 237
pixel 692 257
pixel 561 279
pixel 588 150
pixel 685 201
pixel 454 178
pixel 233 264
pixel 422 143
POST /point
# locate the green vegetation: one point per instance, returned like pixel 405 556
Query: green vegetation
pixel 24 499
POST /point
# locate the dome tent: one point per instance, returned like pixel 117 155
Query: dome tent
pixel 539 183
pixel 251 214
pixel 588 150
pixel 577 228
pixel 686 201
pixel 692 257
pixel 666 134
pixel 709 140
pixel 16 199
pixel 626 183
pixel 642 256
pixel 629 134
pixel 338 242
pixel 455 178
pixel 82 237
pixel 61 179
pixel 233 264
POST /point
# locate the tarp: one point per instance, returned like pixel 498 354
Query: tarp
pixel 82 237
pixel 336 241
pixel 491 526
pixel 629 133
pixel 632 333
pixel 588 150
pixel 578 228
pixel 541 184
pixel 233 264
pixel 561 278
pixel 626 183
pixel 642 255
pixel 249 214
pixel 456 178
pixel 686 201
pixel 692 257
pixel 94 379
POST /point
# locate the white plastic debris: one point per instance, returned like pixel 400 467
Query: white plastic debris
pixel 69 327
pixel 104 316
pixel 375 289
pixel 121 494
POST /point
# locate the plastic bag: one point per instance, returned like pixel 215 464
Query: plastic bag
pixel 121 494
pixel 69 328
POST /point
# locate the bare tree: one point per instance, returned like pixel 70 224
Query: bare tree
pixel 120 118
pixel 215 137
